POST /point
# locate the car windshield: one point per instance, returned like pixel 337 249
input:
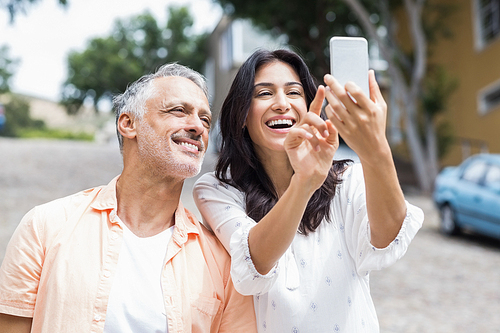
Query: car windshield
pixel 474 171
pixel 492 178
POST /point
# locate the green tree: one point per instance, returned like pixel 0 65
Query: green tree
pixel 135 46
pixel 20 6
pixel 310 24
pixel 7 68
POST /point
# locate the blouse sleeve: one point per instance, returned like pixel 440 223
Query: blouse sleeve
pixel 351 199
pixel 21 269
pixel 223 210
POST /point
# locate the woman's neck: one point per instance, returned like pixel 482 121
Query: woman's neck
pixel 278 169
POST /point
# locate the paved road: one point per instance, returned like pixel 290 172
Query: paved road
pixel 441 285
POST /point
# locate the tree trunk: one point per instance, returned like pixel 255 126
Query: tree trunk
pixel 409 93
pixel 432 148
pixel 419 160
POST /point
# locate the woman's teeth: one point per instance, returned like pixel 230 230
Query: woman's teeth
pixel 282 123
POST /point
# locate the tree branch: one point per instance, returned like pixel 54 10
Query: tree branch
pixel 414 11
pixel 385 48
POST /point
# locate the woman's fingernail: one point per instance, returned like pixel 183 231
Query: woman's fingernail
pixel 326 134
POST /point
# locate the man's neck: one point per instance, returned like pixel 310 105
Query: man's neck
pixel 147 206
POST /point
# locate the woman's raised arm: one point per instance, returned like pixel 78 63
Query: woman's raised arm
pixel 362 123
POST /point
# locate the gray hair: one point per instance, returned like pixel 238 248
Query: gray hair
pixel 133 100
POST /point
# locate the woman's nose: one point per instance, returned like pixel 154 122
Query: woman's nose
pixel 281 103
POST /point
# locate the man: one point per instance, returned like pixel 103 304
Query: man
pixel 98 261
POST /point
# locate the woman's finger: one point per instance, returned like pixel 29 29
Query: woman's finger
pixel 296 136
pixel 315 121
pixel 336 106
pixel 333 138
pixel 375 93
pixel 317 102
pixel 338 90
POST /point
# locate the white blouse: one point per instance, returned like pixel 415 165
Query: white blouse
pixel 321 283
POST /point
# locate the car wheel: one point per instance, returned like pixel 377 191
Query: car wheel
pixel 448 225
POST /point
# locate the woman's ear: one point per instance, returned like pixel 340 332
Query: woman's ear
pixel 126 126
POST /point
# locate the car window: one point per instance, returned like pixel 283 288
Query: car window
pixel 492 178
pixel 474 171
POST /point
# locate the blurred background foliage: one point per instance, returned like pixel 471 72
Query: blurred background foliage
pixel 7 68
pixel 15 7
pixel 308 25
pixel 17 112
pixel 135 46
pixel 20 124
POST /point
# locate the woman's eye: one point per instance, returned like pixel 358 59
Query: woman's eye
pixel 295 92
pixel 263 93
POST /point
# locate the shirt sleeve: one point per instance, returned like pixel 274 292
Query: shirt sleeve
pixel 239 313
pixel 21 269
pixel 351 201
pixel 223 209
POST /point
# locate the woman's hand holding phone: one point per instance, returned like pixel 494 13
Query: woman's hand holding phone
pixel 361 121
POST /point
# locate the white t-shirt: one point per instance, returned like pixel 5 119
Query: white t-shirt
pixel 136 299
pixel 321 283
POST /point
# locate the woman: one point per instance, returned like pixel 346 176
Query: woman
pixel 303 230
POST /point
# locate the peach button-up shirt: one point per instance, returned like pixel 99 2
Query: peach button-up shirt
pixel 61 260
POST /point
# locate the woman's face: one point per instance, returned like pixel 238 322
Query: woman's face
pixel 278 104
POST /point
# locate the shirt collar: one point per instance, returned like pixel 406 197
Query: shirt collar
pixel 106 198
pixel 185 221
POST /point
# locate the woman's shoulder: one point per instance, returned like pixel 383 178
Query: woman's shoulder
pixel 208 177
pixel 209 181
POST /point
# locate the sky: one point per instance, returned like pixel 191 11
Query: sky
pixel 43 38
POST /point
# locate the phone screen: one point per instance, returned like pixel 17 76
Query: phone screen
pixel 349 61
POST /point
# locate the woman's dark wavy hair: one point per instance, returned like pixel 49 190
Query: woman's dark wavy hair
pixel 238 164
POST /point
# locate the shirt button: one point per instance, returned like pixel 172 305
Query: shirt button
pixel 112 215
pixel 107 274
pixel 97 317
pixel 114 236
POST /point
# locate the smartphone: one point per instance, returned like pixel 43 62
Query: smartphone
pixel 349 61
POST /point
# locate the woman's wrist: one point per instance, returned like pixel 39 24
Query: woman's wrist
pixel 304 185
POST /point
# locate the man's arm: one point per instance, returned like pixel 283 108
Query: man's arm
pixel 15 324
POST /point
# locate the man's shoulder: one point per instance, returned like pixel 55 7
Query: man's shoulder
pixel 71 200
pixel 61 208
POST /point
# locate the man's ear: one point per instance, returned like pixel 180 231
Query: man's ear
pixel 126 126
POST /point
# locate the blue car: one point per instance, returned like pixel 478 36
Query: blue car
pixel 468 196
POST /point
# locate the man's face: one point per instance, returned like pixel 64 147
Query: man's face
pixel 172 137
